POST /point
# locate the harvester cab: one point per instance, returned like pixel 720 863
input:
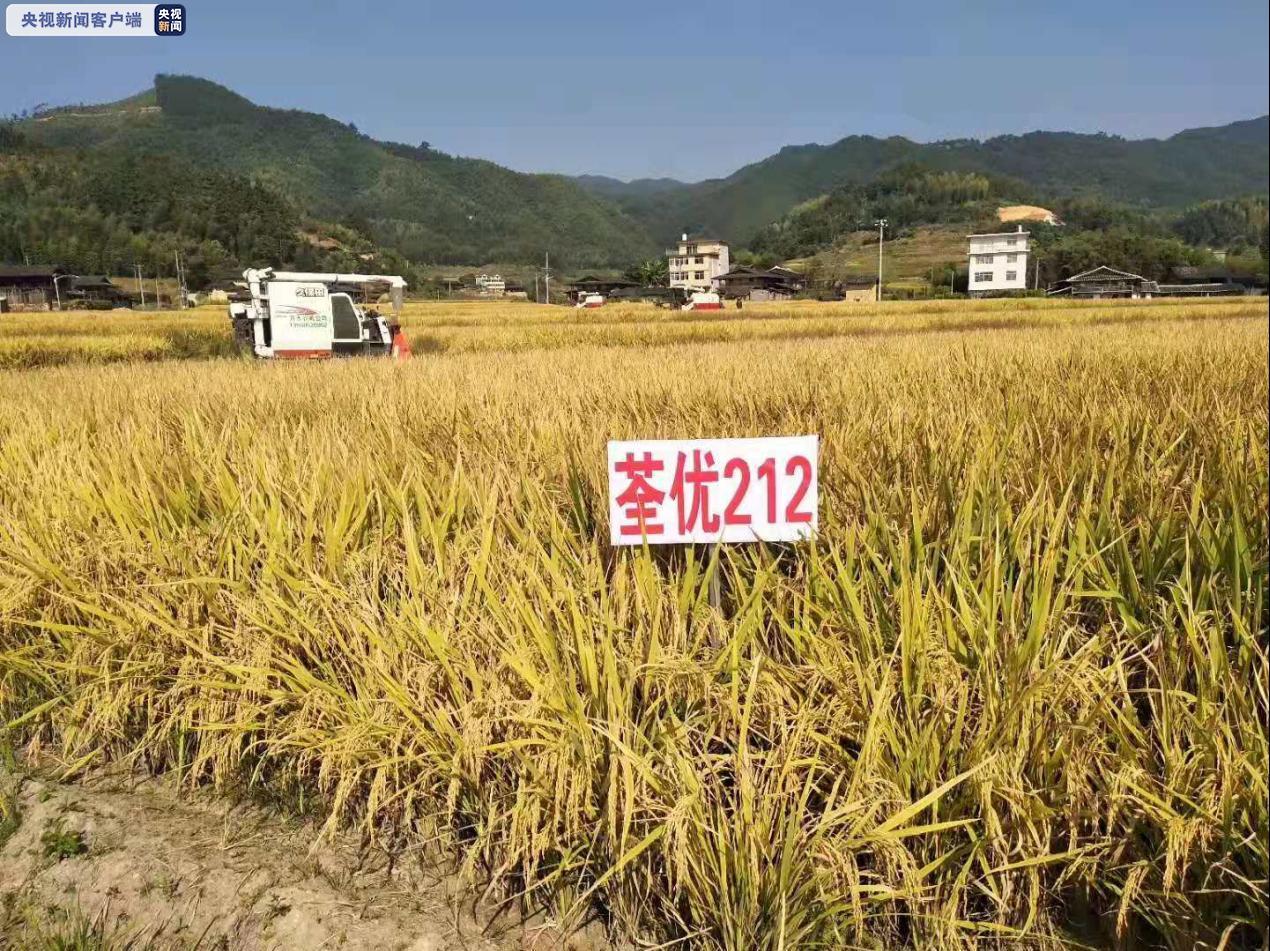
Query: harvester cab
pixel 301 315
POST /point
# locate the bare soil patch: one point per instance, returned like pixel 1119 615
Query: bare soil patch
pixel 118 861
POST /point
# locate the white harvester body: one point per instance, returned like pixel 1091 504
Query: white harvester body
pixel 303 315
pixel 703 300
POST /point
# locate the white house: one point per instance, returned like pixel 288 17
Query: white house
pixel 491 285
pixel 697 264
pixel 998 262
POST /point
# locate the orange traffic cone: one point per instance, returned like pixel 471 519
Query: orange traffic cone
pixel 400 345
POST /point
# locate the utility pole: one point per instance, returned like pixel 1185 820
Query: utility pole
pixel 881 223
pixel 180 278
pixel 546 278
pixel 1036 271
pixel 140 285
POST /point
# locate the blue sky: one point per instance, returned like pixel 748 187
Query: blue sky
pixel 654 89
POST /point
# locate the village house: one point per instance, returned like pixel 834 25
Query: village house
pixel 761 284
pixel 998 263
pixel 45 287
pixel 95 290
pixel 1103 282
pixel 859 291
pixel 32 286
pixel 696 264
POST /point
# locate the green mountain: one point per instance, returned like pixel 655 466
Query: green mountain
pixel 192 167
pixel 907 196
pixel 1192 166
pixel 636 187
pixel 109 213
pixel 929 212
pixel 429 206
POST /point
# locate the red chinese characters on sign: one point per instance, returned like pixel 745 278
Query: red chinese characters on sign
pixel 713 490
pixel 639 501
pixel 691 491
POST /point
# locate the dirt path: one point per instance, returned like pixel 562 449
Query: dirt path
pixel 127 860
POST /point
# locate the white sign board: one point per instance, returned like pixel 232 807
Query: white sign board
pixel 677 491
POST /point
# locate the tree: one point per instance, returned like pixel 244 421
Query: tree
pixel 1233 223
pixel 1153 257
pixel 655 272
pixel 11 138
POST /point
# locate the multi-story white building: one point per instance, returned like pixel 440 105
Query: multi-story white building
pixel 696 264
pixel 998 262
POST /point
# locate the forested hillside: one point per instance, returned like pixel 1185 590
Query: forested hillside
pixel 191 166
pixel 905 196
pixel 734 208
pixel 105 213
pixel 429 206
pixel 1095 230
pixel 1192 166
pixel 833 238
pixel 1152 243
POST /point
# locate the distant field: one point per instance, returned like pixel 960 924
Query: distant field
pixel 30 340
pixel 1014 694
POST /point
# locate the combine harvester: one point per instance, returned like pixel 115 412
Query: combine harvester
pixel 703 300
pixel 298 315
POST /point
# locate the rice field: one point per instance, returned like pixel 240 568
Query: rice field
pixel 30 340
pixel 1014 693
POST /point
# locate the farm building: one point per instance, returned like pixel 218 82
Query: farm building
pixel 43 287
pixel 1106 281
pixel 860 291
pixel 1210 281
pixel 759 284
pixel 95 289
pixel 31 286
pixel 1103 281
pixel 1194 289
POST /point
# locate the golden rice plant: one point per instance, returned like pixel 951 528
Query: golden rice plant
pixel 1015 691
pixel 43 339
pixel 30 340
